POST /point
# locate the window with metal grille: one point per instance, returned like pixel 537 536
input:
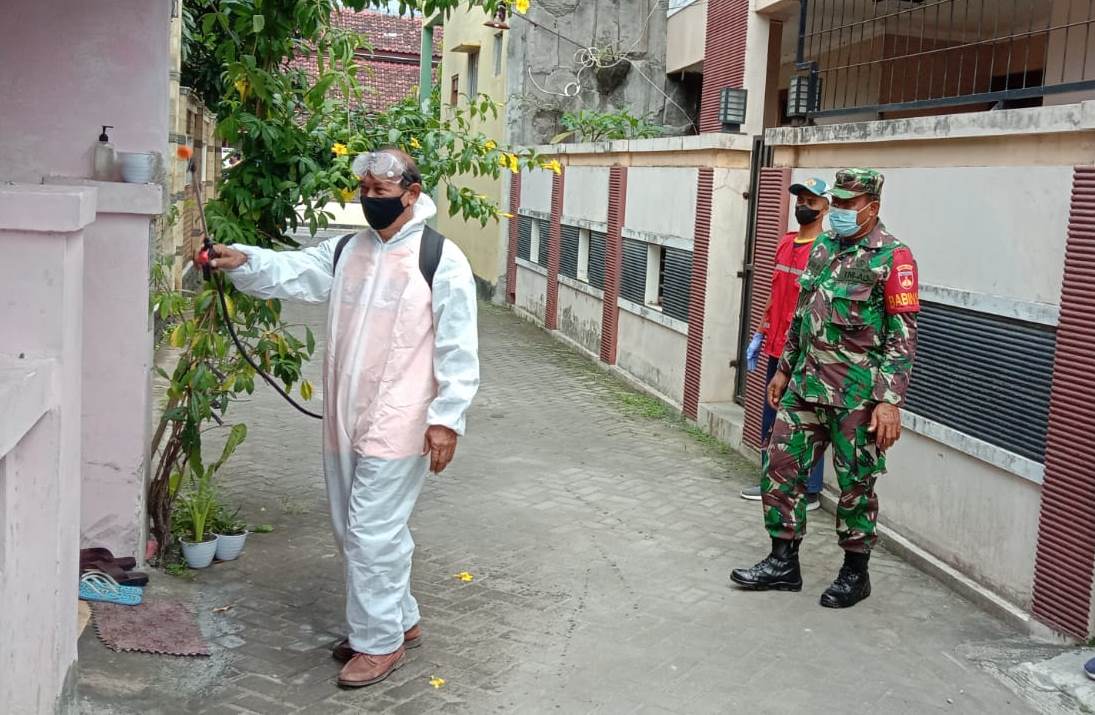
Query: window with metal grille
pixel 541 237
pixel 633 273
pixel 524 237
pixel 597 259
pixel 583 254
pixel 676 282
pixel 568 251
pixel 984 375
pixel 900 57
pixel 655 271
pixel 473 75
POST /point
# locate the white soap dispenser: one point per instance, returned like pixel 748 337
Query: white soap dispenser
pixel 104 157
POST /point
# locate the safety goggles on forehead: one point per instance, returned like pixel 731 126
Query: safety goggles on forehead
pixel 382 166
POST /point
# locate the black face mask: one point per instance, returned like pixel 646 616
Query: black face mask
pixel 804 215
pixel 382 211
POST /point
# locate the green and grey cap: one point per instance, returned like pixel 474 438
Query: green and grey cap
pixel 813 185
pixel 851 183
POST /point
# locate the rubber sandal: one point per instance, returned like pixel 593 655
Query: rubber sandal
pixel 98 586
pixel 120 575
pixel 89 556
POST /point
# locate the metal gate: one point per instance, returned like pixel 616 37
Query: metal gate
pixel 761 158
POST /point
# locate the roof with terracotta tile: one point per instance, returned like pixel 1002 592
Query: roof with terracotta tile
pixel 389 69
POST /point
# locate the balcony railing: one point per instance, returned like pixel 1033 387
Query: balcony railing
pixel 891 56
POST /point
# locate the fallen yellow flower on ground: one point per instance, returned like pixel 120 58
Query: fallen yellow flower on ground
pixel 464 576
pixel 437 682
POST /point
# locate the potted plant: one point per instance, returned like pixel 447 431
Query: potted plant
pixel 197 507
pixel 231 532
pixel 195 511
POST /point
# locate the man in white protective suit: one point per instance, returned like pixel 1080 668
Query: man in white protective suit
pixel 400 372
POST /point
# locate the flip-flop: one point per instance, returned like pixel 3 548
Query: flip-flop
pixel 98 553
pixel 98 586
pixel 123 577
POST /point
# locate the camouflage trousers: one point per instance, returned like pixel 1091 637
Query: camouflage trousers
pixel 802 432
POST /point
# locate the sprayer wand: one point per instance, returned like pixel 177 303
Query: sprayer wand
pixel 204 257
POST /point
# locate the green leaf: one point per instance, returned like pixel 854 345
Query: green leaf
pixel 236 435
pixel 257 23
pixel 310 340
pixel 561 136
pixel 178 336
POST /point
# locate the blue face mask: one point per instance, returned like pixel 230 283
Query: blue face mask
pixel 844 222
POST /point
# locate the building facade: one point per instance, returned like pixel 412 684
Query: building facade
pixel 655 257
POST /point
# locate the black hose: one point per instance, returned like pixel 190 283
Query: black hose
pixel 218 283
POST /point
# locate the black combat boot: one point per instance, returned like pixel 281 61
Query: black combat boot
pixel 779 571
pixel 852 584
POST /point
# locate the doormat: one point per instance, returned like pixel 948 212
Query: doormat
pixel 161 627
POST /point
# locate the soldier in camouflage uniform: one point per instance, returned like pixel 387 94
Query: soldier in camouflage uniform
pixel 847 362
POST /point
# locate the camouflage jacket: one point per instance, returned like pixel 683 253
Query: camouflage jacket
pixel 853 337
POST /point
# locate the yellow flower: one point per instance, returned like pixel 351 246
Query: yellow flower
pixel 415 144
pixel 347 195
pixel 464 576
pixel 505 215
pixel 437 682
pixel 521 6
pixel 490 145
pixel 553 165
pixel 243 87
pixel 339 149
pixel 514 166
pixel 503 161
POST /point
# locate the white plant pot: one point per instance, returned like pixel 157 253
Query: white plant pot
pixel 229 546
pixel 137 167
pixel 199 555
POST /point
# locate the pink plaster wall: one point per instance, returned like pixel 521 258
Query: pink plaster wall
pixel 117 392
pixel 69 67
pixel 41 298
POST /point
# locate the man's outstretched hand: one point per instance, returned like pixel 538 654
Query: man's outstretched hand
pixel 441 446
pixel 225 258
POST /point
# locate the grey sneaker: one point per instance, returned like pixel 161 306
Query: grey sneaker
pixel 751 493
pixel 813 502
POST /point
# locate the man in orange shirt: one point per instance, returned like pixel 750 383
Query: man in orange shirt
pixel 792 254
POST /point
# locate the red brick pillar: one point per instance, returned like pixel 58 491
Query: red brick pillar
pixel 1066 530
pixel 697 299
pixel 551 311
pixel 610 318
pixel 514 225
pixel 772 207
pixel 724 56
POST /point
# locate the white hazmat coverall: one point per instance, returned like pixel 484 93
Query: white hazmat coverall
pixel 399 359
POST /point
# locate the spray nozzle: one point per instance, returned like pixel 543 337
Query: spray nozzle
pixel 103 137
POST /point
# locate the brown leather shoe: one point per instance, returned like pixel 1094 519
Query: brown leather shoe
pixel 364 669
pixel 412 638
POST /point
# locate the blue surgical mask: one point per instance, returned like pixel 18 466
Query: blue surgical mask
pixel 844 222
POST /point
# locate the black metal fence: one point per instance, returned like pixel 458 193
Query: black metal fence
pixel 900 56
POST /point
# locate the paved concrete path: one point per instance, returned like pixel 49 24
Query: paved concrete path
pixel 600 536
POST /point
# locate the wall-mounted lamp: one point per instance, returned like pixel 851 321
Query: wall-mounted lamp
pixel 732 108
